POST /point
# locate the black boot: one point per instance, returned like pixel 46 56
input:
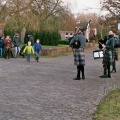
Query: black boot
pixel 82 69
pixel 105 73
pixel 78 74
pixel 113 67
pixel 109 75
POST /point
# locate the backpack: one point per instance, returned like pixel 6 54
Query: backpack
pixel 117 43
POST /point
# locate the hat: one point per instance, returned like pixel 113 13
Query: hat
pixel 16 34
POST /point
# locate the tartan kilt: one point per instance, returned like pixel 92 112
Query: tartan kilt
pixel 107 57
pixel 115 54
pixel 79 57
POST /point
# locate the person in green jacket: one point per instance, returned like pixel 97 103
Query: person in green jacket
pixel 28 50
pixel 107 58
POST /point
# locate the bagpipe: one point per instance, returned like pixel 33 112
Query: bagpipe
pixel 77 43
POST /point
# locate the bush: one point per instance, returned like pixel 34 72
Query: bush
pixel 10 33
pixel 46 37
pixel 63 42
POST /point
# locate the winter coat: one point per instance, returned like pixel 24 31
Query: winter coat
pixel 16 41
pixel 1 43
pixel 8 43
pixel 28 50
pixel 107 57
pixel 79 56
pixel 38 47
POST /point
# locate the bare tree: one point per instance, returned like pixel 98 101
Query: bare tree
pixel 31 14
pixel 113 6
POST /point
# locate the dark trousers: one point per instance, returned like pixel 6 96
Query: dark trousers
pixel 107 70
pixel 7 53
pixel 28 57
pixel 114 66
pixel 80 69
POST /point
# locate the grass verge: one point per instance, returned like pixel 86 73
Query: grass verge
pixel 109 108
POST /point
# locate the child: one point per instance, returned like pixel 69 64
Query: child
pixel 8 45
pixel 37 49
pixel 28 50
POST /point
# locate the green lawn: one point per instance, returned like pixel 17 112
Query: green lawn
pixel 109 108
pixel 47 47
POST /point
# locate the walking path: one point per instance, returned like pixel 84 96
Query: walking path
pixel 47 91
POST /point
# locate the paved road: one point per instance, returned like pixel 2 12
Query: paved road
pixel 46 90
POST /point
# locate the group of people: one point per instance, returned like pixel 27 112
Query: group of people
pixel 110 53
pixel 30 48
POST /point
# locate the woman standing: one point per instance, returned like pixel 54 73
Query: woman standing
pixel 8 45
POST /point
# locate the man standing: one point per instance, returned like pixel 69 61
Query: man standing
pixel 78 43
pixel 107 58
pixel 31 39
pixel 114 54
pixel 16 43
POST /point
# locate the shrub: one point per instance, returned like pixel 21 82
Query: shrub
pixel 46 37
pixel 63 42
pixel 10 33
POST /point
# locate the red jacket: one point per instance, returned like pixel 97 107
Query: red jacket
pixel 8 43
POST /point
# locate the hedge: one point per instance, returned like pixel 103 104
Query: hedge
pixel 10 33
pixel 46 37
pixel 63 42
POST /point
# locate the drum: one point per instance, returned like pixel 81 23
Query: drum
pixel 97 54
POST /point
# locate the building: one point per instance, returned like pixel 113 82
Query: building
pixel 89 32
pixel 66 34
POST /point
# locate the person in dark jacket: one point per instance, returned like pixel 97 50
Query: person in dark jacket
pixel 79 41
pixel 107 57
pixel 114 54
pixel 31 39
pixel 37 49
pixel 1 46
pixel 16 43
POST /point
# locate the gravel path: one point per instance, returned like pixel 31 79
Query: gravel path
pixel 47 91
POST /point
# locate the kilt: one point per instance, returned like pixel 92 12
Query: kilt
pixel 107 57
pixel 115 54
pixel 79 57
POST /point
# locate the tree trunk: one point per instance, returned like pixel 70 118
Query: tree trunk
pixel 1 30
pixel 23 32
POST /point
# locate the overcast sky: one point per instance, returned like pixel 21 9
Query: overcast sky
pixel 84 6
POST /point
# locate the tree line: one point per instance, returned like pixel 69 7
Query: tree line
pixel 52 15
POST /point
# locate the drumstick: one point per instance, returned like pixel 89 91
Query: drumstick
pixel 100 43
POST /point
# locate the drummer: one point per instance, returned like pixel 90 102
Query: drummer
pixel 107 58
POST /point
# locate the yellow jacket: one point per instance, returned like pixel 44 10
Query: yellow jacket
pixel 28 50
